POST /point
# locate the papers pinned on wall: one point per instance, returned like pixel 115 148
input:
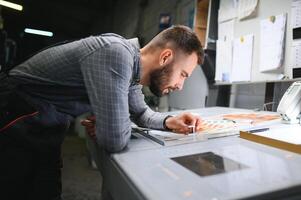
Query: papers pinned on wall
pixel 246 8
pixel 272 34
pixel 242 58
pixel 234 59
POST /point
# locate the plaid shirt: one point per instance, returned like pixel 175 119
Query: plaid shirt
pixel 107 68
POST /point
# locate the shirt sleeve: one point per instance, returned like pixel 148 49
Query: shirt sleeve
pixel 107 73
pixel 142 114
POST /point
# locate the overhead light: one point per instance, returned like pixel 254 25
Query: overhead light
pixel 11 5
pixel 38 32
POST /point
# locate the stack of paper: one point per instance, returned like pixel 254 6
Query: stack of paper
pixel 282 136
pixel 290 134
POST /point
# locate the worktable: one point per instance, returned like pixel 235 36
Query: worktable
pixel 221 168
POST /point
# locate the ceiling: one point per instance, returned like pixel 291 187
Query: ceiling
pixel 66 18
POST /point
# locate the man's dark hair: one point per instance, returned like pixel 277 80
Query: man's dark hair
pixel 183 38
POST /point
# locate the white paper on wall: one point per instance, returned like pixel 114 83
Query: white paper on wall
pixel 246 8
pixel 296 14
pixel 223 60
pixel 226 30
pixel 272 34
pixel 296 54
pixel 227 10
pixel 224 51
pixel 242 58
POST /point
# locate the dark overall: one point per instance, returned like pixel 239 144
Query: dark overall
pixel 31 134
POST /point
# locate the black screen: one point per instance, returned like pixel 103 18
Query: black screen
pixel 208 163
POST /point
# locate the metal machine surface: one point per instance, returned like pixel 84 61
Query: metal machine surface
pixel 243 170
pixel 215 169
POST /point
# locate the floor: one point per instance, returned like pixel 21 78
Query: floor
pixel 80 180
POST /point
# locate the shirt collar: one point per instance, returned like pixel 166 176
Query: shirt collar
pixel 137 65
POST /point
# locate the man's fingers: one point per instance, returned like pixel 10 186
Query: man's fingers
pixel 191 119
pixel 87 122
pixel 183 126
pixel 195 121
pixel 198 125
pixel 92 118
pixel 188 116
pixel 186 123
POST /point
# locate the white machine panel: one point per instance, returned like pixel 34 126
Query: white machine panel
pixel 223 168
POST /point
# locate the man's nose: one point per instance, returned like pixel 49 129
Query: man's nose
pixel 179 85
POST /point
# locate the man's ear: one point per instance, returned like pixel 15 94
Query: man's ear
pixel 166 57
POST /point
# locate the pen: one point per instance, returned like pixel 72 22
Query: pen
pixel 258 130
pixel 191 128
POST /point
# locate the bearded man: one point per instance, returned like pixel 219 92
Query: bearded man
pixel 100 74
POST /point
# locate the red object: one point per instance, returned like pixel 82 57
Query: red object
pixel 18 119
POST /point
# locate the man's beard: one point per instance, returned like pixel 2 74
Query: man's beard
pixel 159 78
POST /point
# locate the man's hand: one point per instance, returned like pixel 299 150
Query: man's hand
pixel 184 123
pixel 89 124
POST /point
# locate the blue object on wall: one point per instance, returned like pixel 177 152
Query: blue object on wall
pixel 165 21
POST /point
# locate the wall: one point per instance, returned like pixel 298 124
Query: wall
pixel 195 90
pixel 141 17
pixel 279 90
pixel 194 93
pixel 249 96
pixel 252 96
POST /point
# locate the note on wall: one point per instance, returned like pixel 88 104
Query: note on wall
pixel 296 54
pixel 223 60
pixel 246 8
pixel 242 58
pixel 227 10
pixel 272 34
pixel 296 14
pixel 226 30
pixel 224 51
